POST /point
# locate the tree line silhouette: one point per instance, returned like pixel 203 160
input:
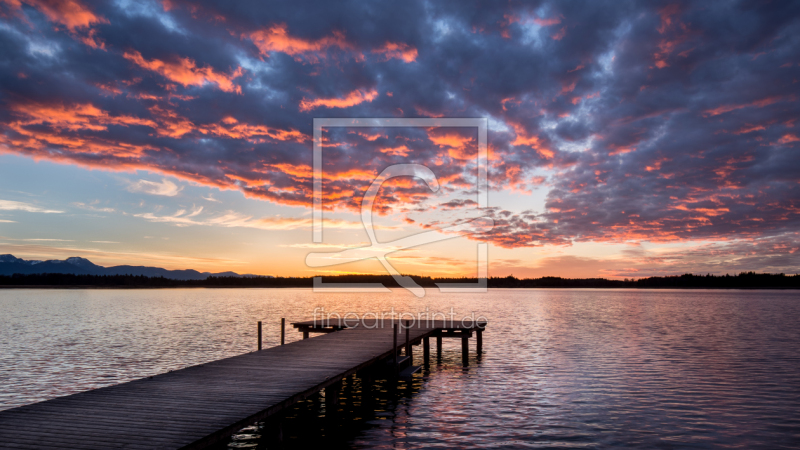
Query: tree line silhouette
pixel 744 280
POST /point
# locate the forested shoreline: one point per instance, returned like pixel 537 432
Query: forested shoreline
pixel 744 280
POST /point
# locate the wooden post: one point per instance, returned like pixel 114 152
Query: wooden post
pixel 366 387
pixel 259 335
pixel 283 330
pixel 465 348
pixel 394 341
pixel 274 429
pixel 332 397
pixel 408 342
pixel 305 334
pixel 439 348
pixel 479 338
pixel 426 350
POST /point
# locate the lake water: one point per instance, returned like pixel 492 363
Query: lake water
pixel 560 369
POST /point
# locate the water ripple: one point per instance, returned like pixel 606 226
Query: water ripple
pixel 561 368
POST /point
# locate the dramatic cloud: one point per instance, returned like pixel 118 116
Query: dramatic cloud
pixel 70 13
pixel 278 39
pixel 185 72
pixel 351 99
pixel 666 122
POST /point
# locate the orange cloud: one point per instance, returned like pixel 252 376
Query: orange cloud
pixel 396 151
pixel 277 39
pixel 87 117
pixel 576 100
pixel 70 13
pixel 171 124
pixel 231 128
pixel 749 129
pixel 457 146
pixel 398 50
pixel 620 149
pixel 728 108
pixel 450 140
pixel 185 72
pixel 706 211
pixel 73 118
pixel 656 164
pixel 666 46
pixel 62 122
pixel 577 68
pixel 666 14
pixel 788 139
pixel 352 99
pixel 559 34
pixel 512 100
pixel 424 112
pixel 509 19
pixel 367 136
pixel 298 171
pixel 533 141
pixel 74 15
pixel 546 22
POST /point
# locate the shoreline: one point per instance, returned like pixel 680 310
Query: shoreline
pixel 647 288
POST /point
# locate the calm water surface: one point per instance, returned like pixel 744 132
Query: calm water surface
pixel 560 369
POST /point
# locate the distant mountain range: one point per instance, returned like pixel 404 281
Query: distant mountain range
pixel 10 264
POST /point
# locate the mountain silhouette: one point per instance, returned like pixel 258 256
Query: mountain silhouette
pixel 10 264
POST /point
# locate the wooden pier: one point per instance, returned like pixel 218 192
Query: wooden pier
pixel 202 405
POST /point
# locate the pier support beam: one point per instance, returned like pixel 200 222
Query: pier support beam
pixel 465 349
pixel 274 430
pixel 426 350
pixel 332 398
pixel 366 388
pixel 409 352
pixel 259 335
pixel 438 348
pixel 479 338
pixel 283 330
pixel 305 334
pixel 394 343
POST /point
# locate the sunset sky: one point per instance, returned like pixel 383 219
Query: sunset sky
pixel 626 139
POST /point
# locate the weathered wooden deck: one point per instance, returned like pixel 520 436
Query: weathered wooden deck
pixel 201 405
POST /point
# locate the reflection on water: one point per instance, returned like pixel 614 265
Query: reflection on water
pixel 309 424
pixel 561 368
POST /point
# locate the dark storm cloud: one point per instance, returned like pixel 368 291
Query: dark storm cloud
pixel 654 121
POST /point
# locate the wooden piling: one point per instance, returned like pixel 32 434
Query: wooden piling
pixel 366 388
pixel 259 335
pixel 332 398
pixel 426 350
pixel 394 342
pixel 283 330
pixel 439 348
pixel 408 342
pixel 305 334
pixel 479 338
pixel 465 349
